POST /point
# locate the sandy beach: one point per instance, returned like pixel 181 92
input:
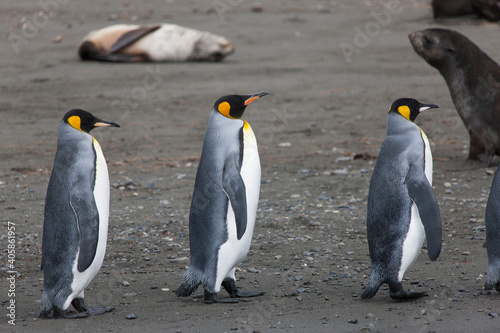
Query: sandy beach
pixel 333 68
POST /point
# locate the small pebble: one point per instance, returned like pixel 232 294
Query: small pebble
pixel 352 321
pixel 131 316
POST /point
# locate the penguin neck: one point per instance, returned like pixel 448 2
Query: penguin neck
pixel 397 124
pixel 67 132
pixel 219 120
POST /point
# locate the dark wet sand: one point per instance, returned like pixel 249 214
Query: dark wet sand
pixel 309 253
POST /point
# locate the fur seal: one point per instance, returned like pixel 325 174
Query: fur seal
pixel 442 8
pixel 157 42
pixel 473 79
pixel 488 9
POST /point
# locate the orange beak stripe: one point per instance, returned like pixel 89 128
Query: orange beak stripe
pixel 99 124
pixel 251 99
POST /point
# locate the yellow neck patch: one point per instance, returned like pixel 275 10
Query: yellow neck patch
pixel 404 111
pixel 75 122
pixel 224 109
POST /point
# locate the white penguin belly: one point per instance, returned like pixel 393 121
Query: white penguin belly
pixel 428 158
pixel 413 241
pixel 101 195
pixel 234 251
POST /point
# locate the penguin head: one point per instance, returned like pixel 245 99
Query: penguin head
pixel 233 106
pixel 409 108
pixel 84 121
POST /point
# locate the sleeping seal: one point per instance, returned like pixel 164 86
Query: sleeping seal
pixel 442 8
pixel 488 9
pixel 473 79
pixel 158 42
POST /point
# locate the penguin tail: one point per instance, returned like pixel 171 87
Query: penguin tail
pixel 190 282
pixel 46 306
pixel 493 277
pixel 373 285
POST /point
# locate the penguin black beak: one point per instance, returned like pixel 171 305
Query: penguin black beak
pixel 424 107
pixel 255 96
pixel 103 123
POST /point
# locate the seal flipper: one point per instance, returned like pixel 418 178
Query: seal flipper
pixel 235 189
pixel 420 191
pixel 87 217
pixel 131 37
pixel 88 51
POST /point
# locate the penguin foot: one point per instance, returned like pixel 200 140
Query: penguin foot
pixel 234 292
pixel 59 313
pixel 44 313
pixel 79 305
pixel 491 285
pixel 248 293
pixel 407 295
pixel 98 310
pixel 210 298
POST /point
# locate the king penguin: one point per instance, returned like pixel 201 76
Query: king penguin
pixel 224 203
pixel 75 218
pixel 402 209
pixel 492 220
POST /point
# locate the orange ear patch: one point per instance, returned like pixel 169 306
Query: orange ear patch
pixel 224 109
pixel 404 111
pixel 75 122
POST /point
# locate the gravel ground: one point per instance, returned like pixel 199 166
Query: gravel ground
pixel 319 133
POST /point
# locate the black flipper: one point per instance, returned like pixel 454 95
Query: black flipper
pixel 85 209
pixel 131 37
pixel 88 51
pixel 421 193
pixel 235 189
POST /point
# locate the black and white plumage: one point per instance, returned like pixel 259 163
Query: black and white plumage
pixel 224 203
pixel 402 209
pixel 492 220
pixel 75 217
